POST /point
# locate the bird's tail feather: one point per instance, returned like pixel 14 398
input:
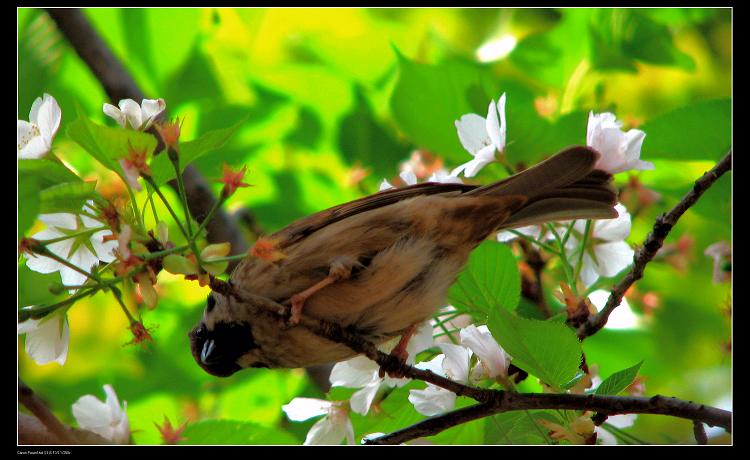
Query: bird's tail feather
pixel 563 187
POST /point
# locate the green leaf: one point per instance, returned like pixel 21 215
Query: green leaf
pixel 108 144
pixel 513 428
pixel 545 349
pixel 46 171
pixel 308 130
pixel 699 131
pixel 428 99
pixel 363 138
pixel 619 37
pixel 28 203
pixel 490 281
pixel 68 197
pixel 161 167
pixel 618 381
pixel 234 432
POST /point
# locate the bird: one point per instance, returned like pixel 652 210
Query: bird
pixel 382 264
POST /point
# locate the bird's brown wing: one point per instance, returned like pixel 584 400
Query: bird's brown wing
pixel 300 229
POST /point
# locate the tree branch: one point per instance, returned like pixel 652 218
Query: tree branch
pixel 652 244
pixel 609 405
pixel 118 84
pixel 493 401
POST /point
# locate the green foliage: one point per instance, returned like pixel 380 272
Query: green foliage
pixel 489 281
pixel 546 349
pixel 161 167
pixel 699 131
pixel 108 144
pixel 303 96
pixel 67 197
pixel 234 432
pixel 428 99
pixel 618 381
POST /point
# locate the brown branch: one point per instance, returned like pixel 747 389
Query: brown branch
pixel 493 401
pixel 118 84
pixel 699 431
pixel 609 405
pixel 652 244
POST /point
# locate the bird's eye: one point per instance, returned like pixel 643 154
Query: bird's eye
pixel 210 303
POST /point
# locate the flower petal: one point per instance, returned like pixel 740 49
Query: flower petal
pixel 300 409
pixel 612 258
pixel 115 113
pixel 31 144
pixel 354 373
pixel 151 109
pixel 432 400
pixel 132 112
pixel 456 363
pixel 496 128
pixel 326 432
pixel 60 220
pixel 616 229
pixel 47 117
pixel 472 132
pixel 47 339
pixel 491 355
pixel 361 400
pixel 385 185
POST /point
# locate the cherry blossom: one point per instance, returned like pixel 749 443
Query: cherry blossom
pixel 107 419
pixel 620 150
pixel 34 137
pixel 47 338
pixel 84 250
pixel 606 253
pixel 140 117
pixel 482 137
pixel 334 427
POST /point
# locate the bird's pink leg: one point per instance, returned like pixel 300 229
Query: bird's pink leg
pixel 399 351
pixel 340 269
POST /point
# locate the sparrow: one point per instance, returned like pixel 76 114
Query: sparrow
pixel 381 264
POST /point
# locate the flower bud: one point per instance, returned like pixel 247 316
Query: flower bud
pixel 179 265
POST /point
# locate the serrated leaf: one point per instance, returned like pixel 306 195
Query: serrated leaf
pixel 548 350
pixel 699 131
pixel 108 144
pixel 234 432
pixel 161 167
pixel 68 197
pixel 618 381
pixel 490 281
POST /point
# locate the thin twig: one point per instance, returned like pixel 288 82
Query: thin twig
pixel 652 244
pixel 119 84
pixel 699 431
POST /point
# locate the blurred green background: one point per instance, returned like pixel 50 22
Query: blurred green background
pixel 331 101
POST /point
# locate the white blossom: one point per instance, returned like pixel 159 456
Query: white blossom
pixel 407 176
pixel 83 251
pixel 493 360
pixel 47 338
pixel 482 137
pixel 140 117
pixel 444 177
pixel 331 429
pixel 107 419
pixel 362 372
pixel 620 151
pixel 453 364
pixel 606 253
pixel 34 137
pixel 618 421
